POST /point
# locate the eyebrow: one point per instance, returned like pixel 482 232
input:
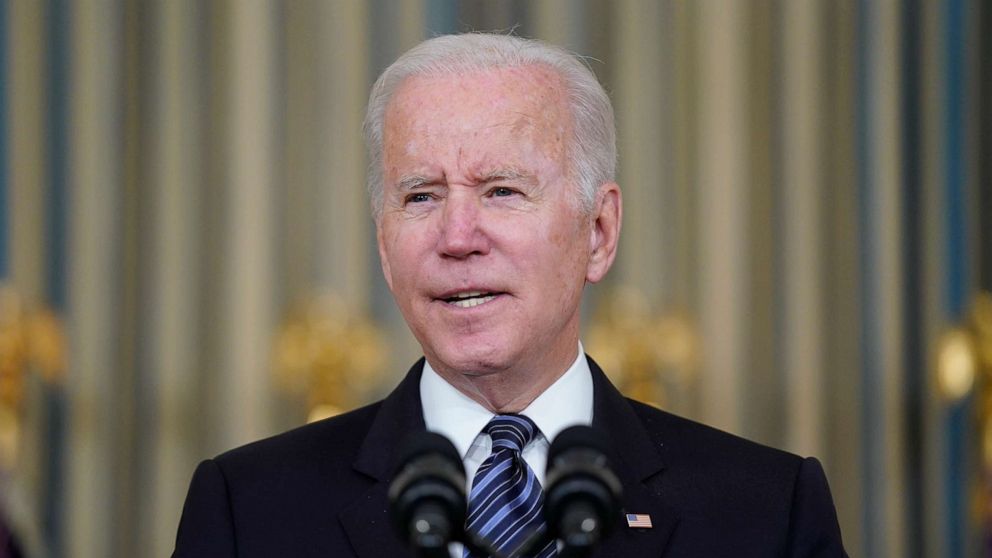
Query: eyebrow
pixel 413 182
pixel 417 181
pixel 505 174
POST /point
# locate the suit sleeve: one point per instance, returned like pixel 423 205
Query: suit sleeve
pixel 814 531
pixel 206 528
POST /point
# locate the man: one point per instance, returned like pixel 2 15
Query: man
pixel 491 177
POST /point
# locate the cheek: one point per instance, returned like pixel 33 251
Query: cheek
pixel 400 259
pixel 560 260
pixel 570 241
pixel 405 272
pixel 575 265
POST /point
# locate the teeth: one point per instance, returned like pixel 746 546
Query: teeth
pixel 469 303
pixel 472 294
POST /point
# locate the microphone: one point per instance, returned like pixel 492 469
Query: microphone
pixel 582 494
pixel 427 495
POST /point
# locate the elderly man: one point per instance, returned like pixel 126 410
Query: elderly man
pixel 493 193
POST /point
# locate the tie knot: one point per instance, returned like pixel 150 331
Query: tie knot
pixel 511 431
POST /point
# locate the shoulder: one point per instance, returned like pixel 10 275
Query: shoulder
pixel 278 493
pixel 724 483
pixel 331 443
pixel 705 463
pixel 682 438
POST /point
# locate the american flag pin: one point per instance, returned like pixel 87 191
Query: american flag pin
pixel 639 520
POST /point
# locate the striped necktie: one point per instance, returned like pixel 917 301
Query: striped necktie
pixel 505 505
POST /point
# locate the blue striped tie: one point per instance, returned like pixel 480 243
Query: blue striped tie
pixel 506 504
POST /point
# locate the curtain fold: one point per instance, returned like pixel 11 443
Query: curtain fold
pixel 184 188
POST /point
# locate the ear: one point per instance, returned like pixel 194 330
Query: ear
pixel 605 234
pixel 383 258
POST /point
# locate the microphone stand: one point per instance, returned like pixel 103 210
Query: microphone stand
pixel 530 544
pixel 580 530
pixel 526 547
pixel 430 533
pixel 574 552
pixel 430 530
pixel 582 536
pixel 584 548
pixel 478 545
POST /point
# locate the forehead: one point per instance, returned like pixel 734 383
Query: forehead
pixel 526 102
pixel 534 85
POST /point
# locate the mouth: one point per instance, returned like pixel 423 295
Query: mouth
pixel 469 299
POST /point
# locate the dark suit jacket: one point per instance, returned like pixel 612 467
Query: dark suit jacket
pixel 320 490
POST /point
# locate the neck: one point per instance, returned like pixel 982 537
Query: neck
pixel 511 390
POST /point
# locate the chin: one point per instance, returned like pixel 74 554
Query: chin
pixel 482 360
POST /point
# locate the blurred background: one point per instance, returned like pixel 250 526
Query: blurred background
pixel 188 264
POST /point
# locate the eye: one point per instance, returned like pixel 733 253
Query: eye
pixel 419 197
pixel 501 192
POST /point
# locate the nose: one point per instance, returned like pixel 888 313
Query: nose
pixel 462 233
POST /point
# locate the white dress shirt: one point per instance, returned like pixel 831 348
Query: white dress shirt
pixel 449 412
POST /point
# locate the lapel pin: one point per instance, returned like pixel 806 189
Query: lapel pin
pixel 639 520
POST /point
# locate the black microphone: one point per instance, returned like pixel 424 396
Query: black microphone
pixel 582 494
pixel 427 495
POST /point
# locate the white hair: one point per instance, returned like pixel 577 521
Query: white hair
pixel 592 151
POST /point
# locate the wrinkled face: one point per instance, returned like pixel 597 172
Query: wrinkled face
pixel 481 242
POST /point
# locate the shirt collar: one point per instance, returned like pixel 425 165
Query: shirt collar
pixel 453 414
pixel 567 402
pixel 450 412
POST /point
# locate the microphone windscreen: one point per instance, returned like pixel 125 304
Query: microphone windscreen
pixel 428 443
pixel 582 494
pixel 427 493
pixel 581 436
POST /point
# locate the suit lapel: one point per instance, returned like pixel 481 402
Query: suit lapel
pixel 367 521
pixel 636 460
pixel 638 463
